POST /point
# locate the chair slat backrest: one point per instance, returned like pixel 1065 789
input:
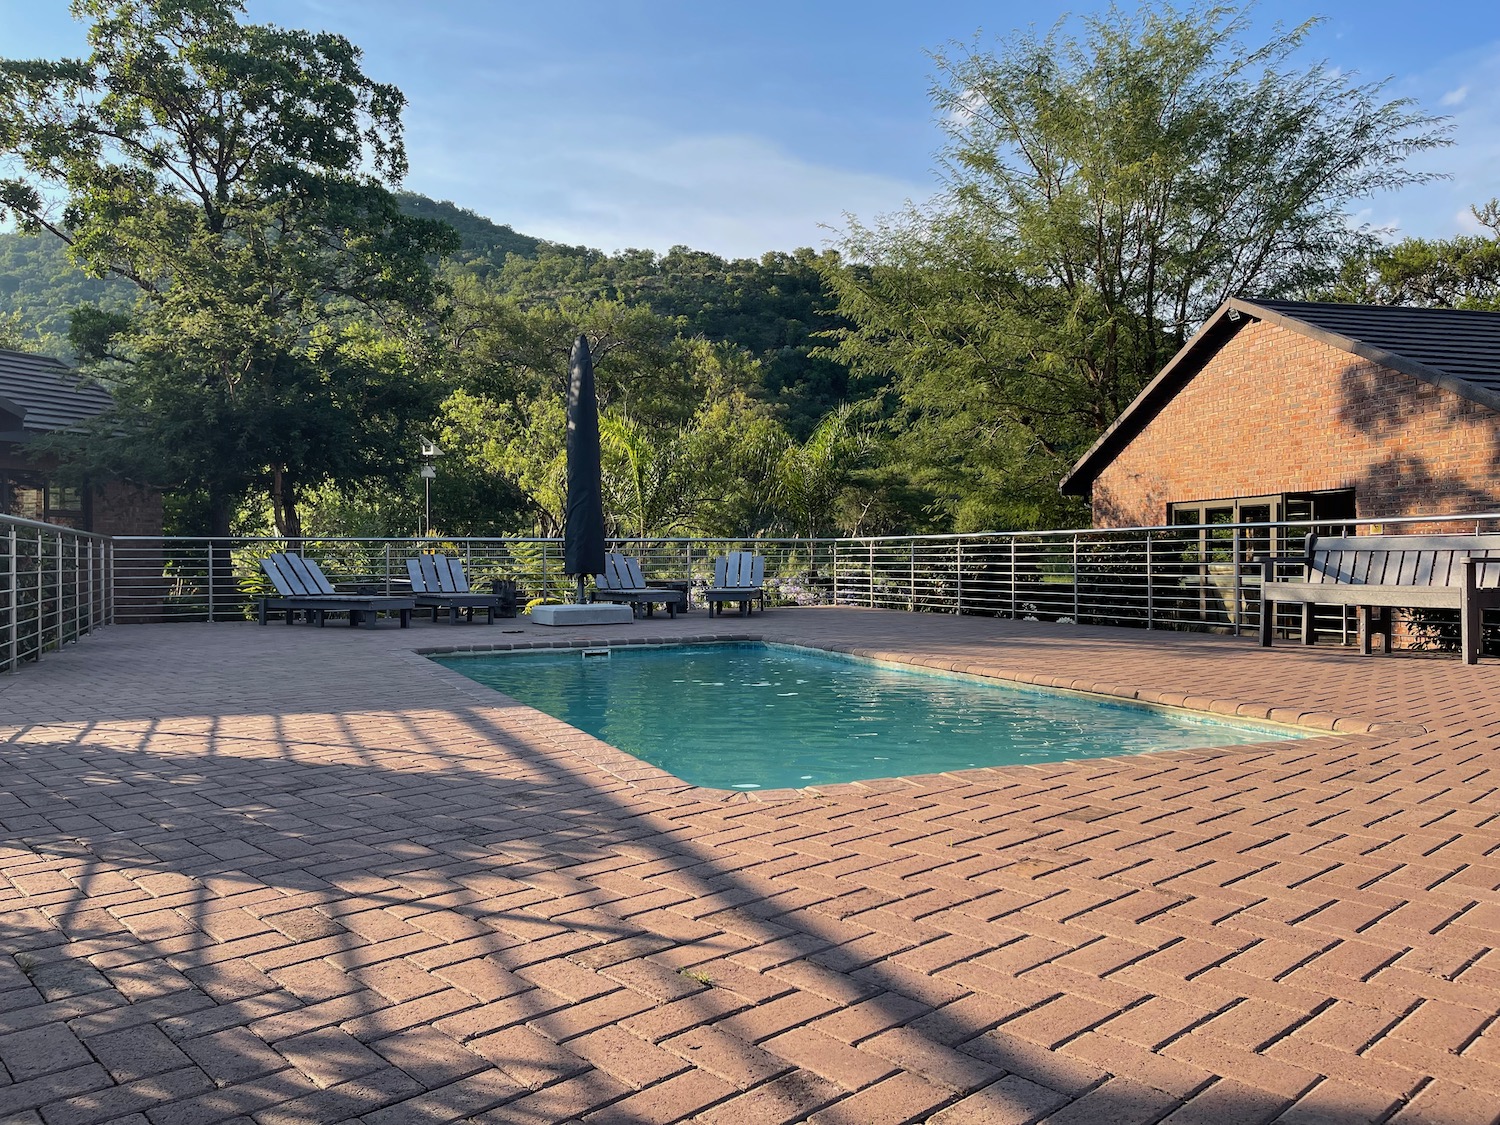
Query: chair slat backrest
pixel 437 574
pixel 311 573
pixel 739 570
pixel 610 579
pixel 296 576
pixel 451 574
pixel 736 577
pixel 420 570
pixel 275 568
pixel 633 573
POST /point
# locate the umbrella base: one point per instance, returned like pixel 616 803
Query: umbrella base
pixel 597 614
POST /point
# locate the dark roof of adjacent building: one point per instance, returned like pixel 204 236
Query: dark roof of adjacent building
pixel 46 394
pixel 1456 349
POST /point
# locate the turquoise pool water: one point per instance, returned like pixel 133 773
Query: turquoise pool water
pixel 753 716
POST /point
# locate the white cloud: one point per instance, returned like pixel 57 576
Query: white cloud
pixel 1470 165
pixel 734 195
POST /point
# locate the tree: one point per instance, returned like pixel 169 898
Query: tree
pixel 238 176
pixel 1455 273
pixel 1103 194
pixel 811 475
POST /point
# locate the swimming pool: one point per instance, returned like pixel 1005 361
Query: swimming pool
pixel 767 716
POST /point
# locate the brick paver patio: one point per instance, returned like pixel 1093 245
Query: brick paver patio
pixel 289 875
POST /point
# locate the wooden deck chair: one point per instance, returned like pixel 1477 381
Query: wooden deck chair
pixel 438 582
pixel 738 577
pixel 302 586
pixel 624 582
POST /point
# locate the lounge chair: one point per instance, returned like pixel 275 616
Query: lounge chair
pixel 623 581
pixel 438 582
pixel 738 577
pixel 301 585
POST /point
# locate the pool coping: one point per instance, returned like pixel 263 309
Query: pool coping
pixel 640 774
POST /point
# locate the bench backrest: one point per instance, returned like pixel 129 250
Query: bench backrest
pixel 295 576
pixel 437 574
pixel 739 570
pixel 1401 560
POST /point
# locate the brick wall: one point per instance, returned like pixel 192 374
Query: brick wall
pixel 1275 411
pixel 114 508
pixel 123 509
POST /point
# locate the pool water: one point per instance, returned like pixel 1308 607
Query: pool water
pixel 753 716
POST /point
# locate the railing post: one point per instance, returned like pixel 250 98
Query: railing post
pixel 958 566
pixel 1150 585
pixel 386 586
pixel 78 590
pixel 41 593
pixel 213 566
pixel 109 582
pixel 15 603
pixel 911 599
pixel 833 569
pixel 872 574
pixel 91 585
pixel 1235 586
pixel 1077 615
pixel 1012 577
pixel 61 597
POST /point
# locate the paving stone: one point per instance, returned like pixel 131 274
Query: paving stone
pixel 359 859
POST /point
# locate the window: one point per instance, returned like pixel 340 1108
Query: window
pixel 30 496
pixel 1311 507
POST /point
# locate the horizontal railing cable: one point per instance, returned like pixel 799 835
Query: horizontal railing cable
pixel 1193 577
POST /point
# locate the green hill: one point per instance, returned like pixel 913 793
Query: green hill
pixel 774 307
pixel 40 286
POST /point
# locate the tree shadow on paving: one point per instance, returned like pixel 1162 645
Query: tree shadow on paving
pixel 302 931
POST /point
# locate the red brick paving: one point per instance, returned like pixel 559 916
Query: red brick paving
pixel 295 875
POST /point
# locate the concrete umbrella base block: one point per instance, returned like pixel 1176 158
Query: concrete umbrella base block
pixel 598 614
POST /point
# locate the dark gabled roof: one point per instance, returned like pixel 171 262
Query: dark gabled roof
pixel 46 393
pixel 1456 349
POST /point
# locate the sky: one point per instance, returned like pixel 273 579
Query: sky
pixel 746 127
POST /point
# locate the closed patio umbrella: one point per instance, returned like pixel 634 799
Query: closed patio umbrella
pixel 583 522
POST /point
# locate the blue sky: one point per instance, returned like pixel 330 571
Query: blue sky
pixel 741 128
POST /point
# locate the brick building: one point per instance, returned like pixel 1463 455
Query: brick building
pixel 40 395
pixel 1294 410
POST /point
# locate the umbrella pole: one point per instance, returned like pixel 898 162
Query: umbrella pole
pixel 579 598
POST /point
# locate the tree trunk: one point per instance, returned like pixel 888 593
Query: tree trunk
pixel 221 584
pixel 284 505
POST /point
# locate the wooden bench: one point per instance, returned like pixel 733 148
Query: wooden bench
pixel 301 585
pixel 438 582
pixel 1380 573
pixel 739 577
pixel 624 582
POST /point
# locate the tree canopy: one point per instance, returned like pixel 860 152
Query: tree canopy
pixel 1105 191
pixel 238 176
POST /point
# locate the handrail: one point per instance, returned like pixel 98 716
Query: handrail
pixel 947 536
pixel 55 587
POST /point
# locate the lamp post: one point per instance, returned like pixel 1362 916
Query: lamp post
pixel 429 473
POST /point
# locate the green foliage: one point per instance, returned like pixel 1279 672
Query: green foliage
pixel 40 286
pixel 237 176
pixel 1105 192
pixel 1454 273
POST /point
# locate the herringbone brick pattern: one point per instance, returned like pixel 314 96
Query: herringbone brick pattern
pixel 289 876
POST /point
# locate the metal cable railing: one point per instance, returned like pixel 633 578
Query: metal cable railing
pixel 1196 577
pixel 54 587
